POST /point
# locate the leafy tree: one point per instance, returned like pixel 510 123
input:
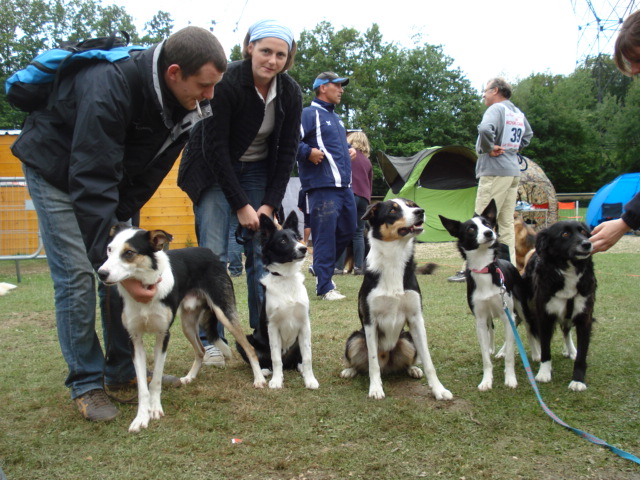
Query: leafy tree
pixel 158 28
pixel 236 53
pixel 566 141
pixel 626 129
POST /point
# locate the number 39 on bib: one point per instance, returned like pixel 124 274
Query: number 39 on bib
pixel 513 129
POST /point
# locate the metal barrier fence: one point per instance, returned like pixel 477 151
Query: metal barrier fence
pixel 19 233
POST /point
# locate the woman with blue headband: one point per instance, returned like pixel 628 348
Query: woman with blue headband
pixel 239 160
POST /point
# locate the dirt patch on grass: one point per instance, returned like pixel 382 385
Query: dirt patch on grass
pixel 15 320
pixel 25 267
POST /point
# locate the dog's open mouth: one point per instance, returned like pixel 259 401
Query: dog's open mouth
pixel 413 229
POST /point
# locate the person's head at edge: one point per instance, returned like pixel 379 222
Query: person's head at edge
pixel 329 87
pixel 627 47
pixel 271 48
pixel 360 142
pixel 498 90
pixel 192 62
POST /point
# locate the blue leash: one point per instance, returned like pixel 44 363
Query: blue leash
pixel 532 380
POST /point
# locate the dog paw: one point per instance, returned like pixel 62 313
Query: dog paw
pixel 276 383
pixel 500 354
pixel 259 383
pixel 511 381
pixel 414 372
pixel 535 357
pixel 543 378
pixel 186 380
pixel 156 413
pixel 569 354
pixel 311 383
pixel 442 393
pixel 140 422
pixel 485 385
pixel 577 386
pixel 348 373
pixel 376 393
pixel 544 374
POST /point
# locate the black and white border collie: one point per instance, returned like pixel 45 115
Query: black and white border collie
pixel 486 276
pixel 284 319
pixel 191 281
pixel 563 285
pixel 389 299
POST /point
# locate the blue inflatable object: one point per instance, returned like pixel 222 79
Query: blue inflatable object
pixel 608 202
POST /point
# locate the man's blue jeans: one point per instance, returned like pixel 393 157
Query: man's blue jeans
pixel 213 216
pixel 74 284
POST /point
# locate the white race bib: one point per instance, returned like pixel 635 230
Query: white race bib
pixel 513 129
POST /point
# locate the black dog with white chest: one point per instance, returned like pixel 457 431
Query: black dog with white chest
pixel 492 283
pixel 285 339
pixel 562 282
pixel 389 299
pixel 191 281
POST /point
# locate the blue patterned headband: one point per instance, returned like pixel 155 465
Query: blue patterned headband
pixel 270 28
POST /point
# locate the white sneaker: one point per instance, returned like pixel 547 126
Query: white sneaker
pixel 333 295
pixel 213 356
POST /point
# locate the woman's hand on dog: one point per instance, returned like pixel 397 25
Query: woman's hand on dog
pixel 140 293
pixel 607 234
pixel 249 218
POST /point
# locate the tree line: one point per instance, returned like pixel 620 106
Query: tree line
pixel 586 124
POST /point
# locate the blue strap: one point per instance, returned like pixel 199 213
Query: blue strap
pixel 585 435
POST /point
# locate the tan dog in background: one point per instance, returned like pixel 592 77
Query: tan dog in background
pixel 525 241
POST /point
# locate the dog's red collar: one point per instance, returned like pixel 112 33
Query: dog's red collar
pixel 486 270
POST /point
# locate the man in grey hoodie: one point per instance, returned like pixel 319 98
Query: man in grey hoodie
pixel 503 132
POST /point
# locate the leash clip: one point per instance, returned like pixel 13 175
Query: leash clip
pixel 503 288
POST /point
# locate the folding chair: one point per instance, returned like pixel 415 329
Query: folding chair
pixel 539 209
pixel 569 206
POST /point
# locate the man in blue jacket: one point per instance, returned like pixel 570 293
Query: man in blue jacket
pixel 94 158
pixel 324 165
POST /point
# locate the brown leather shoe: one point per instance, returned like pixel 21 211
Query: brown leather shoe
pixel 95 406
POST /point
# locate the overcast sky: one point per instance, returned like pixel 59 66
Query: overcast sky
pixel 485 38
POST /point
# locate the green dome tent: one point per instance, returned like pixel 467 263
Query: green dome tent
pixel 441 180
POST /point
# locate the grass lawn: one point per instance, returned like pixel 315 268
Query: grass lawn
pixel 335 432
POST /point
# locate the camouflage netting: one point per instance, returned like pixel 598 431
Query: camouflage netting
pixel 536 188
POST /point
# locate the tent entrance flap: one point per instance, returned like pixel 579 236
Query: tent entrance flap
pixel 448 171
pixel 439 179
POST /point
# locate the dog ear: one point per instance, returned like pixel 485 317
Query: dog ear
pixel 267 227
pixel 291 222
pixel 452 226
pixel 117 228
pixel 542 243
pixel 490 212
pixel 371 210
pixel 159 239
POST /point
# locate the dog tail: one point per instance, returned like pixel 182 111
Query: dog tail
pixel 261 346
pixel 427 268
pixel 224 348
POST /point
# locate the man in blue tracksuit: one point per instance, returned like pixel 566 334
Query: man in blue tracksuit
pixel 324 165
